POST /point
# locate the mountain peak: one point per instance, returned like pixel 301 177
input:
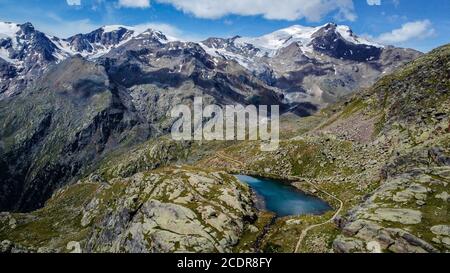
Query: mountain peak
pixel 112 28
pixel 27 26
pixel 331 25
pixel 272 42
pixel 153 35
pixel 10 29
pixel 347 33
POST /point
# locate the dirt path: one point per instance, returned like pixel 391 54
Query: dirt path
pixel 305 231
pixel 228 158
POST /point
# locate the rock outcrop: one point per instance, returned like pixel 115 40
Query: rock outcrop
pixel 169 210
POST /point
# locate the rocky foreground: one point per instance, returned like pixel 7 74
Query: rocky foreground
pixel 169 210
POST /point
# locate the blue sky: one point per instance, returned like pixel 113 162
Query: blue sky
pixel 418 24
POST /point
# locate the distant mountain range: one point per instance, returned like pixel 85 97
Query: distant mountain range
pixel 308 66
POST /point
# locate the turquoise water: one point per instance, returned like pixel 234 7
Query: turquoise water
pixel 284 200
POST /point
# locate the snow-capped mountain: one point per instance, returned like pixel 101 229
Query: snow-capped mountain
pixel 340 42
pixel 101 41
pixel 16 41
pixel 313 65
pixel 303 36
pixel 308 39
pixel 26 53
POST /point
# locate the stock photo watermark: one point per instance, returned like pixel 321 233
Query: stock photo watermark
pixel 231 122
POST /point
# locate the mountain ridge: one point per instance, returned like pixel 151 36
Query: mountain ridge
pixel 330 46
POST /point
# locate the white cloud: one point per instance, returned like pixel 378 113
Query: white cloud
pixel 134 3
pixel 73 2
pixel 374 2
pixel 312 10
pixel 409 31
